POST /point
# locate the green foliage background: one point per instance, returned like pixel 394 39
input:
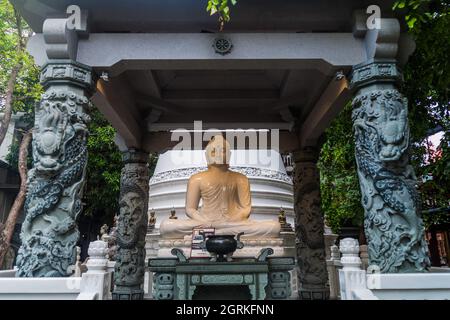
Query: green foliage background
pixel 339 186
pixel 102 187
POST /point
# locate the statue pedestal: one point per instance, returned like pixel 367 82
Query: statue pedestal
pixel 160 250
pixel 264 277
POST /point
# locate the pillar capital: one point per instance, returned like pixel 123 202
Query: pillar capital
pixel 375 71
pixel 67 72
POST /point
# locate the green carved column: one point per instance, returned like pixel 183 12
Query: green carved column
pixel 132 227
pixel 309 228
pixel 393 226
pixel 53 203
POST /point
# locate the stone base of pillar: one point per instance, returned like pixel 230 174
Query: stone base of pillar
pixel 128 293
pixel 314 294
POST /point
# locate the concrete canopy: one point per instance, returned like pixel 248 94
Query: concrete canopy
pixel 137 16
pixel 163 73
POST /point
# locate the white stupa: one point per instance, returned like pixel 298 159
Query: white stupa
pixel 271 187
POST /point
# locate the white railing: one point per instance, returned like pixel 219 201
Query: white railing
pixel 39 288
pixel 95 284
pixel 333 267
pixel 8 273
pixel 358 284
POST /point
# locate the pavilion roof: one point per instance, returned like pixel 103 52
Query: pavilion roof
pixel 191 16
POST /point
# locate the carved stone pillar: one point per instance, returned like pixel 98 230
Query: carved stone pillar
pixel 309 228
pixel 53 203
pixel 393 227
pixel 132 227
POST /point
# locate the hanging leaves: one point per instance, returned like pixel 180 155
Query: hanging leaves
pixel 222 9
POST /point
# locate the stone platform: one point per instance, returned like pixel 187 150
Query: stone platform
pixel 264 277
pixel 157 248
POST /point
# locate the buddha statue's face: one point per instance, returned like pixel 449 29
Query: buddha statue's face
pixel 218 151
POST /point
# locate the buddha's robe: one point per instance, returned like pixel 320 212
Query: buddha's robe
pixel 226 206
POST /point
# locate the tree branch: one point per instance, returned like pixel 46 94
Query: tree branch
pixel 8 227
pixel 12 79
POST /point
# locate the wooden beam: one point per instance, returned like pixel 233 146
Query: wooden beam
pixel 284 103
pixel 159 104
pixel 220 94
pixel 152 83
pixel 285 83
pixel 114 101
pixel 333 100
pixel 144 81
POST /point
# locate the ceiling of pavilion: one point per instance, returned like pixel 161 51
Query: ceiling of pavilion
pixel 254 95
pixel 190 15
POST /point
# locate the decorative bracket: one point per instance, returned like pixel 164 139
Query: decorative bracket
pixel 385 42
pixel 179 254
pixel 61 40
pixel 263 254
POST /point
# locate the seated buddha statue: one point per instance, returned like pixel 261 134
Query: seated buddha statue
pixel 226 201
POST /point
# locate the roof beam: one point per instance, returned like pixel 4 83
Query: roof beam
pixel 177 51
pixel 220 94
pixel 332 100
pixel 161 105
pixel 144 81
pixel 114 100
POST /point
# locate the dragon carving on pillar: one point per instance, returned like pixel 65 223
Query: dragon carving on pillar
pixel 53 203
pixel 393 226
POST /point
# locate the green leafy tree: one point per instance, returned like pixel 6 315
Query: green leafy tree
pixel 101 193
pixel 17 86
pixel 427 82
pixel 18 92
pixel 341 197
